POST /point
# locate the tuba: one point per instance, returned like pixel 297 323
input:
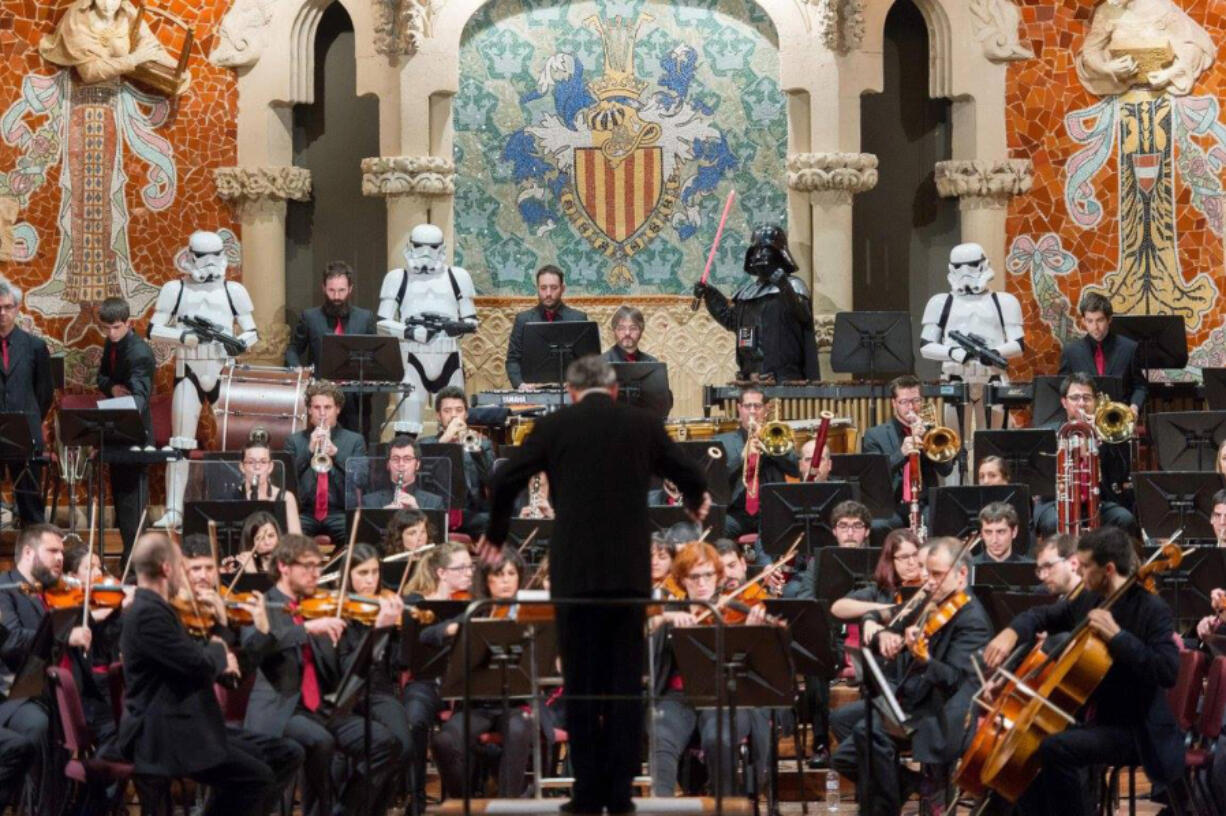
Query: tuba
pixel 940 444
pixel 1113 421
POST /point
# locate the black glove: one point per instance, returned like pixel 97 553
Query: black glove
pixel 700 290
pixel 778 277
pixel 455 328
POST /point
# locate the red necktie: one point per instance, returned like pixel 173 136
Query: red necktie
pixel 632 357
pixel 339 328
pixel 1100 362
pixel 310 680
pixel 906 469
pixel 751 502
pixel 549 316
pixel 321 496
pixel 4 343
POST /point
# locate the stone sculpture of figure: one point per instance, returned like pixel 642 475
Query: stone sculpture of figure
pixel 95 38
pixel 1143 43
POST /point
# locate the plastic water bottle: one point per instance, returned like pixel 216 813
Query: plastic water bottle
pixel 832 792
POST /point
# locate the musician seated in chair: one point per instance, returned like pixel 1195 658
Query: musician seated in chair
pixel 257 483
pixel 937 682
pixel 742 514
pixel 451 405
pixel 1078 395
pixel 806 463
pixel 403 463
pixel 993 470
pixel 899 438
pixel 320 455
pixel 998 526
pixel 1129 721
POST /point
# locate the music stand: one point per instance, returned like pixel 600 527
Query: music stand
pixel 1029 453
pixel 1187 440
pixel 428 662
pixel 802 507
pixel 1215 388
pixel 98 427
pixel 644 385
pixel 1172 500
pixel 663 517
pixel 355 357
pixel 453 452
pixel 714 468
pixel 869 474
pixel 812 650
pixel 872 344
pixel 1162 340
pixel 1012 575
pixel 1187 588
pixel 1003 605
pixel 229 518
pixel 253 582
pixel 376 521
pixel 520 528
pixel 16 442
pixel 843 569
pixel 550 347
pixel 955 508
pixel 1047 409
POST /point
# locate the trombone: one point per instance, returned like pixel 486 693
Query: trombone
pixel 1113 421
pixel 939 443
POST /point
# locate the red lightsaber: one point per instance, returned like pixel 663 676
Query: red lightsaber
pixel 714 246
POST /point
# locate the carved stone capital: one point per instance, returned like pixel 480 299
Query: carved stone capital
pixel 262 191
pixel 996 25
pixel 840 174
pixel 840 23
pixel 401 26
pixel 984 183
pixel 823 327
pixel 431 176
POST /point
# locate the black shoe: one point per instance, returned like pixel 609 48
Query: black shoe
pixel 909 783
pixel 820 758
pixel 622 808
pixel 572 808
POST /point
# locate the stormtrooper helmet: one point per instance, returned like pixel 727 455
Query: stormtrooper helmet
pixel 969 270
pixel 426 253
pixel 206 257
pixel 768 251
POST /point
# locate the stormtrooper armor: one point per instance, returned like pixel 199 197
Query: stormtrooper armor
pixel 202 292
pixel 971 309
pixel 770 314
pixel 426 287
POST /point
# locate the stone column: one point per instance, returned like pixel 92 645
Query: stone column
pixel 258 195
pixel 983 188
pixel 411 184
pixel 830 180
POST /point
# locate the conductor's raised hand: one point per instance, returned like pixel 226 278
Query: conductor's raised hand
pixel 486 551
pixel 700 514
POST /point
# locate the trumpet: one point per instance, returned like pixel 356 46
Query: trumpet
pixel 321 462
pixel 470 440
pixel 1113 421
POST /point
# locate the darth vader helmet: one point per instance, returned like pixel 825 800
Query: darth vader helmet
pixel 768 251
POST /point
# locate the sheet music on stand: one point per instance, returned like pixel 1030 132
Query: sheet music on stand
pixel 886 704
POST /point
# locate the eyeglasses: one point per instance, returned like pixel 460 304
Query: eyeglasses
pixel 753 406
pixel 908 557
pixel 460 568
pixel 851 527
pixel 309 566
pixel 1080 398
pixel 1043 566
pixel 909 401
pixel 401 460
pixel 701 576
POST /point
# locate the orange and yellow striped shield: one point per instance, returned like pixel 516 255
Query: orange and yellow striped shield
pixel 619 198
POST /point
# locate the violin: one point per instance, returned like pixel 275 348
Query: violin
pixel 362 609
pixel 461 595
pixel 198 619
pixel 940 616
pixel 69 593
pixel 737 611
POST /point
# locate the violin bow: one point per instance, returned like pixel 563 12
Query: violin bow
pixel 527 540
pixel 89 564
pixel 238 573
pixel 191 593
pixel 353 540
pixel 140 530
pixel 410 558
pixel 767 571
pixel 213 540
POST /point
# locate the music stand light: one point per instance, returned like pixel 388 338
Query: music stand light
pixel 359 358
pixel 644 385
pixel 550 347
pixel 1029 453
pixel 1162 340
pixel 872 345
pixel 955 508
pixel 869 474
pixel 1187 440
pixel 1171 500
pixel 804 508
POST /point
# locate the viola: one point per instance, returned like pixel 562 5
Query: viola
pixel 940 616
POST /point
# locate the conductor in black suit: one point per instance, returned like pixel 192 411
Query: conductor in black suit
pixel 126 370
pixel 321 495
pixel 550 286
pixel 172 725
pixel 25 387
pixel 336 317
pixel 1103 353
pixel 897 438
pixel 599 455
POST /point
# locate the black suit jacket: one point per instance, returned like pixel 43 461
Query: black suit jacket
pixel 1119 358
pixel 515 346
pixel 172 724
pixel 887 438
pixel 278 683
pixel 347 443
pixel 304 349
pixel 25 385
pixel 425 499
pixel 133 369
pixel 21 613
pixel 599 456
pixel 1145 662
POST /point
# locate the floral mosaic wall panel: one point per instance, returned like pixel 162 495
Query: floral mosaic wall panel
pixel 1119 113
pixel 604 136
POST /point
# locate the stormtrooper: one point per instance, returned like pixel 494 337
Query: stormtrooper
pixel 429 305
pixel 205 293
pixel 771 314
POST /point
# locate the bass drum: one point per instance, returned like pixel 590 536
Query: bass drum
pixel 260 397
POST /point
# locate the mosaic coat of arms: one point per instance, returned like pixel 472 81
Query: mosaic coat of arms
pixel 625 144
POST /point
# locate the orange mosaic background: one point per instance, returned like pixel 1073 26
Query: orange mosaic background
pixel 1040 93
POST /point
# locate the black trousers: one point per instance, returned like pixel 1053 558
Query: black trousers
pixel 601 648
pixel 18 753
pixel 515 726
pixel 356 786
pixel 422 702
pixel 882 795
pixel 1060 787
pixel 240 784
pixel 283 757
pixel 27 479
pixel 333 524
pixel 130 491
pixel 30 720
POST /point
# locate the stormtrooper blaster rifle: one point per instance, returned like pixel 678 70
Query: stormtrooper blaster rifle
pixel 210 332
pixel 976 346
pixel 435 323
